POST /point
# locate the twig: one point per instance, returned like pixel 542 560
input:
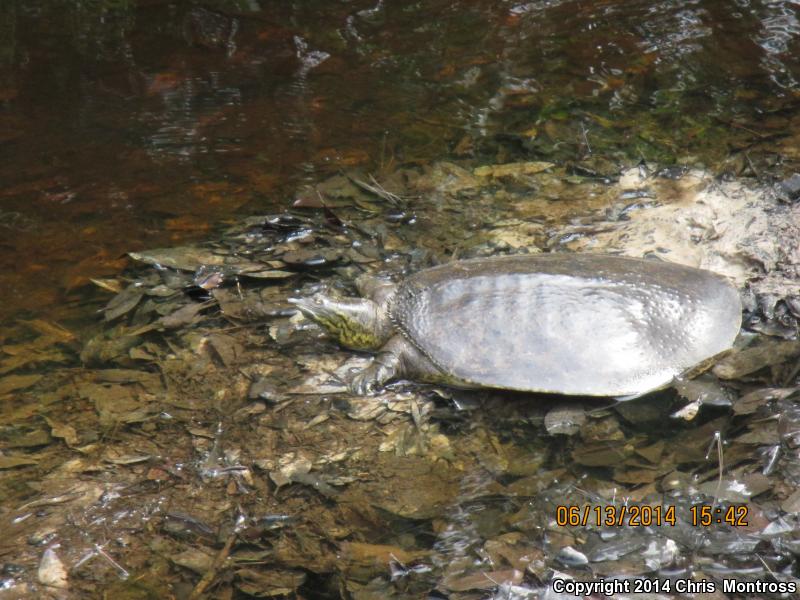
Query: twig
pixel 718 440
pixel 383 150
pixel 377 189
pixel 211 574
pixel 123 573
pixel 732 123
pixel 752 166
pixel 586 140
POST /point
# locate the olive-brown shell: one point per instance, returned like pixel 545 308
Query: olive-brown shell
pixel 567 323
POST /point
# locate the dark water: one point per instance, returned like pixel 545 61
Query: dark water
pixel 129 124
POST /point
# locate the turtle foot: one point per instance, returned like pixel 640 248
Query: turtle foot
pixel 370 381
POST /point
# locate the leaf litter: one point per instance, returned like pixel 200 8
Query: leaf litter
pixel 210 442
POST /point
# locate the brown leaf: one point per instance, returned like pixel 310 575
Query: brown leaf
pixel 12 383
pixel 11 462
pixel 63 431
pixel 482 580
pixel 749 403
pixel 52 330
pixel 378 554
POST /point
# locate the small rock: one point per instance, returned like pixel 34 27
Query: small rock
pixel 571 557
pixel 789 189
pixel 51 570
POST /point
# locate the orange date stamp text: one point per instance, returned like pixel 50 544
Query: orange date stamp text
pixel 634 515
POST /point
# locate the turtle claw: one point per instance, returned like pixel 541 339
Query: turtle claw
pixel 367 382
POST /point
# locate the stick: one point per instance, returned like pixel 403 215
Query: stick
pixel 211 574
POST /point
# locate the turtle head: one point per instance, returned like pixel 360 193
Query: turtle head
pixel 357 323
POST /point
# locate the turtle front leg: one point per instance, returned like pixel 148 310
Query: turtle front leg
pixel 397 358
pixel 388 364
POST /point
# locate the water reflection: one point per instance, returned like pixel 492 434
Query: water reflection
pixel 143 100
pixel 185 111
pixel 779 28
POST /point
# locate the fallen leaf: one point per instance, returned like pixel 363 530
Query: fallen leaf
pixel 11 462
pixel 12 383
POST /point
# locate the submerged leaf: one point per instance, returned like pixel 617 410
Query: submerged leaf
pixel 749 360
pixel 269 583
pixel 10 462
pixel 13 383
pixel 123 303
pixel 565 419
pixel 512 169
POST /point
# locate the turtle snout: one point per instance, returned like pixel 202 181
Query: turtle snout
pixel 313 307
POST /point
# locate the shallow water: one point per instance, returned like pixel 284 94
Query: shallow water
pixel 126 126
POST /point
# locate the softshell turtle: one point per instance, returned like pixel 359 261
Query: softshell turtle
pixel 579 324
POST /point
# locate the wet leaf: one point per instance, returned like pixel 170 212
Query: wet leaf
pixel 108 346
pixel 269 583
pixel 35 357
pixel 449 178
pixel 184 526
pixel 791 505
pixel 614 550
pixel 290 466
pixel 637 476
pixel 194 559
pixel 151 382
pixel 512 169
pixel 483 580
pixel 161 291
pixel 311 257
pixel 29 439
pixel 192 258
pixel 737 489
pixel 123 303
pixel 565 419
pixel 749 403
pixel 51 330
pixel 761 433
pixel 378 555
pixel 184 258
pixel 749 360
pixel 604 429
pixel 13 383
pixel 269 274
pixel 508 548
pixel 11 462
pixel 227 348
pixel 186 315
pixel 642 410
pixel 601 454
pixel 652 453
pixel 534 484
pixel 63 431
pixel 704 389
pixel 116 403
pixel 115 458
